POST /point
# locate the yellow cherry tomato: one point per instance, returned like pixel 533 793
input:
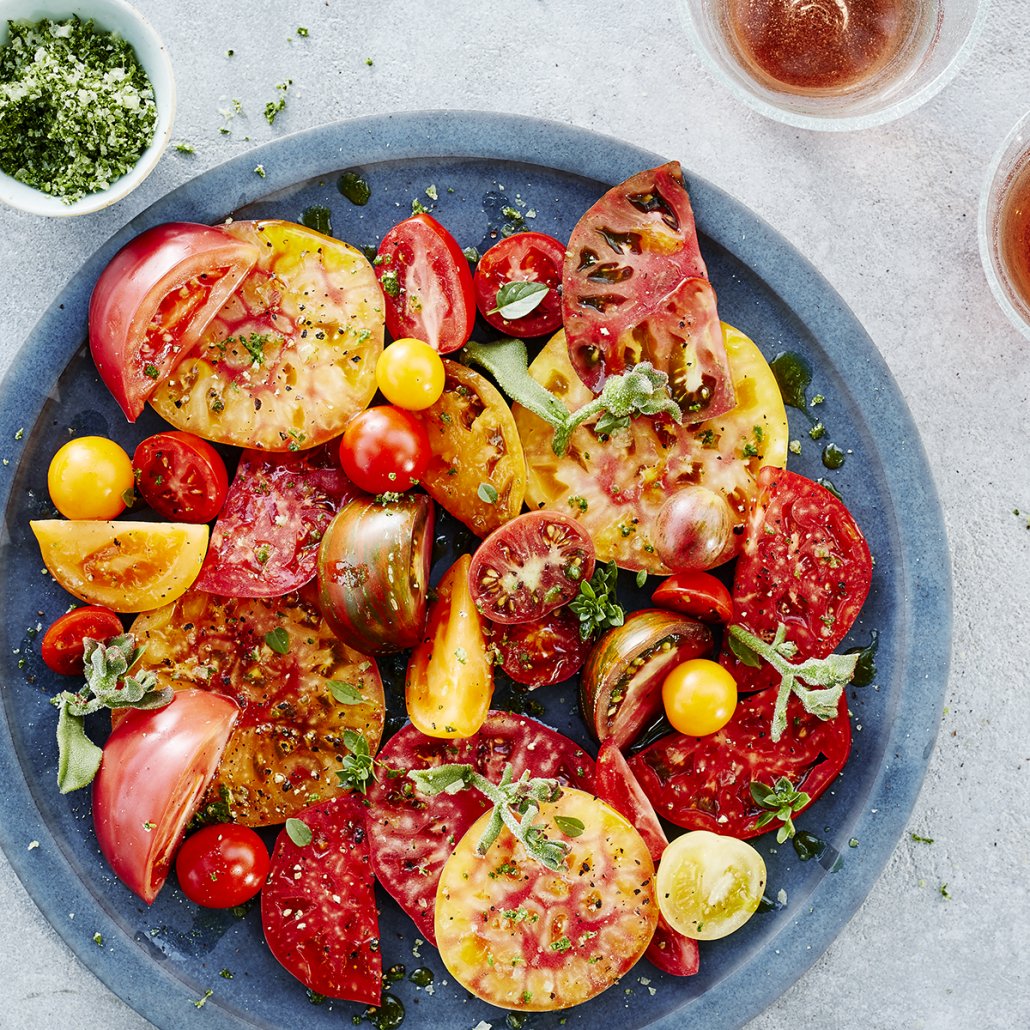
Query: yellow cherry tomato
pixel 700 697
pixel 709 885
pixel 410 374
pixel 88 477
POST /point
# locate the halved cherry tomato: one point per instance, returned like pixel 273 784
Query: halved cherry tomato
pixel 63 642
pixel 699 697
pixel 154 300
pixel 180 476
pixel 410 374
pixel 530 566
pixel 698 594
pixel 222 866
pixel 127 566
pixel 450 677
pixel 89 478
pixel 427 284
pixel 544 651
pixel 384 450
pixel 526 257
pixel 156 765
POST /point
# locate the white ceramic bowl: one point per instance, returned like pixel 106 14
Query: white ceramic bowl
pixel 948 30
pixel 120 18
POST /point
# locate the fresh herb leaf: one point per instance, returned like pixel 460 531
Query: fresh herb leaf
pixel 487 493
pixel 569 825
pixel 596 604
pixel 780 801
pixel 345 693
pixel 299 832
pixel 642 578
pixel 278 640
pixel 518 299
pixel 358 768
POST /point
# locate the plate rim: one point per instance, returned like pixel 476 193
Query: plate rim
pixel 49 875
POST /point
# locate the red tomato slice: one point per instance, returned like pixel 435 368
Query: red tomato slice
pixel 155 769
pixel 318 908
pixel 63 649
pixel 526 257
pixel 669 950
pixel 412 837
pixel 427 284
pixel 635 288
pixel 698 594
pixel 703 783
pixel 265 542
pixel 806 564
pixel 542 652
pixel 180 476
pixel 154 300
pixel 530 566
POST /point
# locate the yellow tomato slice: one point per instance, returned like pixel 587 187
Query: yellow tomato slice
pixel 127 566
pixel 291 355
pixel 521 936
pixel 617 487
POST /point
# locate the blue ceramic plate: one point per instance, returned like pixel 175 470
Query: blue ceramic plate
pixel 163 958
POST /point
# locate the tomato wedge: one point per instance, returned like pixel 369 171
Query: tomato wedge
pixel 318 908
pixel 427 284
pixel 154 300
pixel 180 476
pixel 698 594
pixel 63 648
pixel 155 768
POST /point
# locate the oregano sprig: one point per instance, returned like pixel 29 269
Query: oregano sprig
pixel 596 604
pixel 832 673
pixel 781 801
pixel 516 804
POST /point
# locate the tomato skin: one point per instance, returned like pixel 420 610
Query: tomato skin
pixel 133 306
pixel 698 594
pixel 62 648
pixel 450 678
pixel 410 374
pixel 427 284
pixel 699 696
pixel 694 530
pixel 543 652
pixel 155 768
pixel 222 866
pixel 523 257
pixel 182 477
pixel 89 478
pixel 384 450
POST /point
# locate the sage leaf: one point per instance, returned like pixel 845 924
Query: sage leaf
pixel 78 758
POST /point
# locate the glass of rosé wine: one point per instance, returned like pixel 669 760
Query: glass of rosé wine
pixel 833 64
pixel 1004 225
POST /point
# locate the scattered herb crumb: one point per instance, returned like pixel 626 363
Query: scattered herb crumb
pixel 921 840
pixel 274 107
pixel 98 939
pixel 945 893
pixel 185 148
pixel 853 843
pixel 201 1002
pixel 369 61
pixel 33 844
pixel 19 433
pixel 302 32
pixel 418 208
pixel 794 446
pixel 260 170
pixel 431 192
pixel 230 53
pixel 226 974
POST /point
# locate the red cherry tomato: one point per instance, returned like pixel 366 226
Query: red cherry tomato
pixel 62 642
pixel 153 301
pixel 384 450
pixel 180 476
pixel 526 257
pixel 222 866
pixel 698 594
pixel 543 652
pixel 427 284
pixel 156 766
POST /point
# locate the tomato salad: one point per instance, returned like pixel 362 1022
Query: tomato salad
pixel 643 435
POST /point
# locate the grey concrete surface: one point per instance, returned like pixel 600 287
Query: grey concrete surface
pixel 888 215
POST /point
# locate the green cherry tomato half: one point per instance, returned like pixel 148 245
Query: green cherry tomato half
pixel 222 866
pixel 700 697
pixel 410 374
pixel 384 450
pixel 89 477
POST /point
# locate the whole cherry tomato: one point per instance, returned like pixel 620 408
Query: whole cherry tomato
pixel 410 374
pixel 222 866
pixel 700 697
pixel 89 478
pixel 384 450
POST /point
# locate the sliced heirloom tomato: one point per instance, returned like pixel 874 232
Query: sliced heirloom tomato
pixel 703 783
pixel 620 689
pixel 413 836
pixel 526 257
pixel 427 284
pixel 542 652
pixel 521 936
pixel 616 488
pixel 154 300
pixel 265 542
pixel 280 661
pixel 805 564
pixel 669 950
pixel 635 289
pixel 373 572
pixel 155 768
pixel 291 355
pixel 698 594
pixel 318 909
pixel 477 471
pixel 180 476
pixel 63 648
pixel 450 678
pixel 530 566
pixel 125 566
